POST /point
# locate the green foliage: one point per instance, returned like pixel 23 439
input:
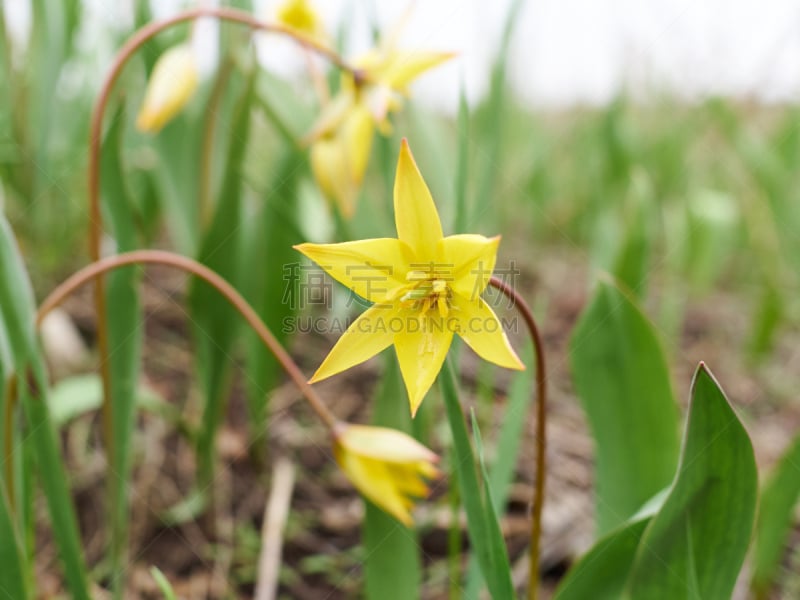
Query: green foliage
pixel 484 532
pixel 622 379
pixel 694 547
pixel 778 500
pixel 392 565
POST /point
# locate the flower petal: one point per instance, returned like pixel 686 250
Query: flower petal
pixel 371 268
pixel 367 336
pixel 480 328
pixel 384 443
pixel 172 83
pixel 415 213
pixel 421 353
pixel 339 159
pixel 403 67
pixel 373 479
pixel 472 258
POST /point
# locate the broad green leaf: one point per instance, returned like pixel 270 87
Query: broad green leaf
pixel 482 534
pixel 778 499
pixel 392 568
pixel 124 323
pixel 621 377
pixel 601 573
pixel 17 315
pixel 694 547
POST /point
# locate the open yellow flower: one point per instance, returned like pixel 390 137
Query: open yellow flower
pixel 425 288
pixel 173 82
pixel 387 466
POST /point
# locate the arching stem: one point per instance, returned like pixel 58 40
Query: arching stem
pixel 160 257
pixel 541 431
pixel 95 139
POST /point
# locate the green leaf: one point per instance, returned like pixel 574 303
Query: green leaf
pixel 215 321
pixel 483 535
pixel 501 472
pixel 392 567
pixel 775 512
pixel 694 547
pixel 163 584
pixel 622 379
pixel 495 540
pixel 17 315
pixel 277 290
pixel 13 576
pixel 124 323
pixel 601 573
pixel 81 394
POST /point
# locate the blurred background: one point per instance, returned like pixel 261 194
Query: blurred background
pixel 658 141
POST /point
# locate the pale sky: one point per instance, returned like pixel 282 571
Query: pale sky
pixel 564 51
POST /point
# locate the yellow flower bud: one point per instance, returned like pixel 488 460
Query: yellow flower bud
pixel 172 83
pixel 387 466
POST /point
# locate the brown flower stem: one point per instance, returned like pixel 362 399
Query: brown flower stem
pixel 541 431
pixel 95 139
pixel 160 257
pixel 10 392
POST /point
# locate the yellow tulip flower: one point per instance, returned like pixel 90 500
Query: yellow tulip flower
pixel 387 466
pixel 425 288
pixel 339 157
pixel 341 139
pixel 172 83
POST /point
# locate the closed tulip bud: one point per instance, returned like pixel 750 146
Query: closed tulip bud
pixel 387 466
pixel 172 84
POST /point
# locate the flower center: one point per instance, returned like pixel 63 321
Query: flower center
pixel 426 291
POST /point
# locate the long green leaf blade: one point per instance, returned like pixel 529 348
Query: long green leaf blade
pixel 694 547
pixel 622 379
pixel 17 314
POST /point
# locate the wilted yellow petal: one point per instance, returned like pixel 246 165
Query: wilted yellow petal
pixel 421 350
pixel 480 328
pixel 415 214
pixel 367 336
pixel 473 258
pixel 172 83
pixel 371 268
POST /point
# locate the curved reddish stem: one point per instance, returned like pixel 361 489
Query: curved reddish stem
pixel 160 257
pixel 541 431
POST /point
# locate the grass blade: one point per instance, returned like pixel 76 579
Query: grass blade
pixel 774 523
